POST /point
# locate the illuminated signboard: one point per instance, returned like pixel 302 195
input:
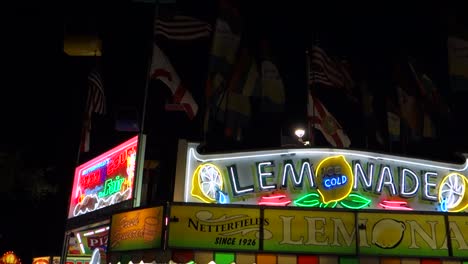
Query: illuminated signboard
pixel 139 229
pixel 41 260
pixel 331 178
pixel 84 242
pixel 215 228
pixel 105 180
pixel 317 231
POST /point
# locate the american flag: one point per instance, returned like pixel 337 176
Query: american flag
pixel 95 103
pixel 182 28
pixel 325 70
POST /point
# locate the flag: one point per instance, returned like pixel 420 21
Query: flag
pixel 324 70
pixel 95 103
pixel 222 93
pixel 162 69
pixel 182 28
pixel 322 120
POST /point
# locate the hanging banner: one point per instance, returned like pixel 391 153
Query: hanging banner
pixel 139 229
pixel 218 228
pixel 418 235
pixel 305 231
pixel 459 235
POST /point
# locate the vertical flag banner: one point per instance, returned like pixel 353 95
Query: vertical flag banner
pixel 162 69
pixel 95 103
pixel 322 120
pixel 224 51
pixel 273 94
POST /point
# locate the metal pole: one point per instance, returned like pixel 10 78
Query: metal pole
pixel 148 71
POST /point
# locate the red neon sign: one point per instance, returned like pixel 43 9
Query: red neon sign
pixel 395 205
pixel 275 200
pixel 105 180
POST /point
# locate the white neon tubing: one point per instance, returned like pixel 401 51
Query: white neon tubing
pixel 231 156
pixel 261 174
pixel 390 181
pixel 403 183
pixel 235 185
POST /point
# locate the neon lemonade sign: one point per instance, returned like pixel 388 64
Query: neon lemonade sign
pixel 105 180
pixel 325 178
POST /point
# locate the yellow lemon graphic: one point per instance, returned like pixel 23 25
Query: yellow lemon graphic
pixel 206 182
pixel 387 233
pixel 452 192
pixel 334 178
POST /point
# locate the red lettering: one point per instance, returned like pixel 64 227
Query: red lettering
pixel 90 180
pixel 69 262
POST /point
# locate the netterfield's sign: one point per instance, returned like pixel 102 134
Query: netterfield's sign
pixel 215 227
pixel 105 180
pixel 317 231
pixel 325 178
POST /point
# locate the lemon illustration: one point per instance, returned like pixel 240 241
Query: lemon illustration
pixel 206 182
pixel 334 178
pixel 452 192
pixel 387 233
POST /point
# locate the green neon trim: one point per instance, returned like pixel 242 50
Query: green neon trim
pixel 328 205
pixel 111 186
pixel 355 201
pixel 308 200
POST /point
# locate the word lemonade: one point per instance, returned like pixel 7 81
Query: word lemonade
pixel 326 178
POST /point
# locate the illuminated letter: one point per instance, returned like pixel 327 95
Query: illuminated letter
pixel 289 169
pixel 428 186
pixel 326 182
pixel 287 231
pixel 430 240
pixel 313 230
pixel 456 234
pixel 404 180
pixel 341 229
pixel 236 189
pixel 262 175
pixel 365 180
pixel 385 178
pixel 362 233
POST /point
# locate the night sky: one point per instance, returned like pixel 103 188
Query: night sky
pixel 43 94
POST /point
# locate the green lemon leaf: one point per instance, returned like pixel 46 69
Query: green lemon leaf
pixel 355 201
pixel 309 200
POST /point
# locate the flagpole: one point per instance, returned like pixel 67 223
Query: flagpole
pixel 148 69
pixel 208 94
